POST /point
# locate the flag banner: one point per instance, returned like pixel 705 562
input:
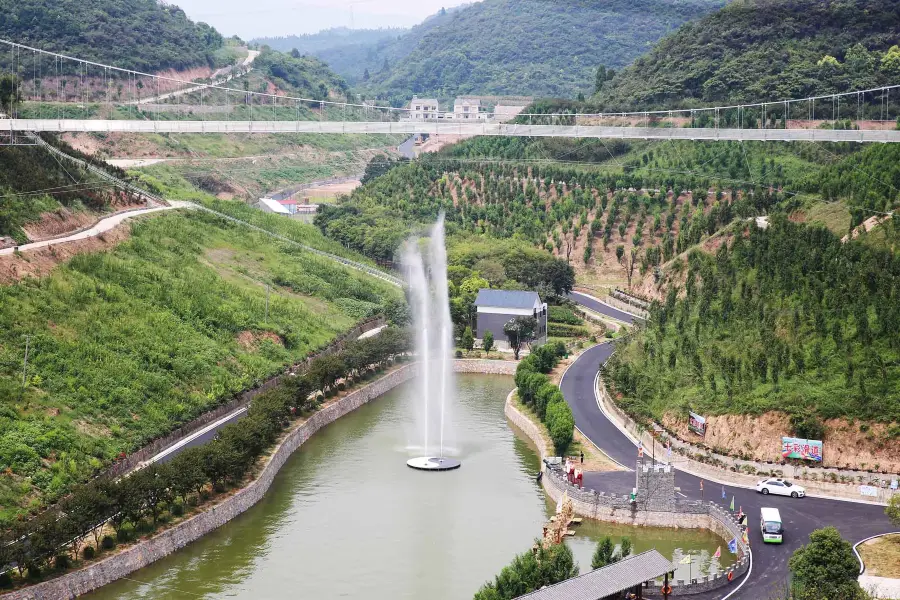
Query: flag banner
pixel 732 546
pixel 697 424
pixel 718 553
pixel 732 504
pixel 686 560
pixel 723 492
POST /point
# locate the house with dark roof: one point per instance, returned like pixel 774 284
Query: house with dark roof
pixel 497 307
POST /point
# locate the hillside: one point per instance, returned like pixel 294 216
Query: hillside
pixel 42 197
pixel 786 320
pixel 136 34
pixel 330 39
pixel 528 47
pixel 355 58
pixel 755 50
pixel 128 343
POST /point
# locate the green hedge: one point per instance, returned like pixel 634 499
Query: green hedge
pixel 562 330
pixel 563 314
pixel 540 394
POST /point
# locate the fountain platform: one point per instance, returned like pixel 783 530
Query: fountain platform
pixel 426 463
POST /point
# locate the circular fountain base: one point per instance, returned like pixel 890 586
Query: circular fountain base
pixel 426 463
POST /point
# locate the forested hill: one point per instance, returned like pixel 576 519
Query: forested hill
pixel 355 58
pixel 531 47
pixel 755 50
pixel 330 39
pixel 138 34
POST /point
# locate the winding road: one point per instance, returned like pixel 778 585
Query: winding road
pixel 770 573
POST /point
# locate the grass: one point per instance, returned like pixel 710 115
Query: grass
pixel 833 215
pixel 882 556
pixel 125 345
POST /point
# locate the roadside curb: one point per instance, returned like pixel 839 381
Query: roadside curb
pixel 689 471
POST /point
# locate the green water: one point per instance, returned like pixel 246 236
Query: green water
pixel 346 518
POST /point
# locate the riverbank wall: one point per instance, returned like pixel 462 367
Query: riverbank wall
pixel 144 553
pixel 661 511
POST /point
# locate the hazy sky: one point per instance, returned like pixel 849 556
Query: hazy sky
pixel 259 18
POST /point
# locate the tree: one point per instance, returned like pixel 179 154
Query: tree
pixel 893 510
pixel 366 75
pixel 825 568
pixel 467 341
pixel 488 341
pixel 890 62
pixel 519 331
pixel 10 96
pixel 561 424
pixel 325 370
pixel 530 571
pixel 620 252
pixel 603 554
pixel 629 264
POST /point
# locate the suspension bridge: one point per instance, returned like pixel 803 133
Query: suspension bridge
pixel 52 92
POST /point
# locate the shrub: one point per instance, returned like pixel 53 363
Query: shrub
pixel 107 543
pixel 561 424
pixel 807 426
pixel 562 314
pixel 488 341
pixel 5 580
pixel 177 510
pixel 560 349
pixel 459 354
pixel 561 330
pixel 546 395
pixel 341 386
pixel 62 562
pixel 88 552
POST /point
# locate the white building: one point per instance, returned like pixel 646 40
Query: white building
pixel 424 109
pixel 468 109
pixel 272 206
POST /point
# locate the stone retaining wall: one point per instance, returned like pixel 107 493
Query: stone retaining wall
pixel 727 476
pixel 144 553
pixel 526 425
pixel 619 509
pixel 686 514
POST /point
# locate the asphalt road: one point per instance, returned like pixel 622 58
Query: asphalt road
pixel 801 516
pixel 602 308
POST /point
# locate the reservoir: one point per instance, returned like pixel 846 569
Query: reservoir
pixel 346 518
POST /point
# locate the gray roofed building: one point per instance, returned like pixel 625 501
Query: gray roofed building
pixel 627 575
pixel 507 298
pixel 497 307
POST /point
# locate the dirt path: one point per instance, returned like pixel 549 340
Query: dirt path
pixel 102 226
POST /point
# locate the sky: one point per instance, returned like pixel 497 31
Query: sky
pixel 265 18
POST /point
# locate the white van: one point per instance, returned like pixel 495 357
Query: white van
pixel 770 525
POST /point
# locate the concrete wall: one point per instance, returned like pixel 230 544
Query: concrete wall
pixel 683 452
pixel 144 553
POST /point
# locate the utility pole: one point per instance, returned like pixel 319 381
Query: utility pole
pixel 25 363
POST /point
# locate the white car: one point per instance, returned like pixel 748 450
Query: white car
pixel 780 487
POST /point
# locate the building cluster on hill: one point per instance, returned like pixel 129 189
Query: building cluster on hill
pixel 466 108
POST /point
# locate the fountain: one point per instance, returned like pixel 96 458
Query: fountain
pixel 430 303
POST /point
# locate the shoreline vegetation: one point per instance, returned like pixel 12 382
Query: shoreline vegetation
pixel 105 513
